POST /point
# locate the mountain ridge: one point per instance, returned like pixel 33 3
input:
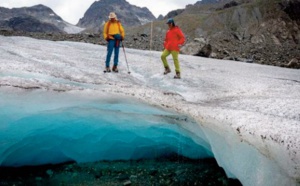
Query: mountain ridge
pixel 130 15
pixel 29 17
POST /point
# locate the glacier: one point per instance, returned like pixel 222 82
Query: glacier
pixel 246 116
pixel 69 127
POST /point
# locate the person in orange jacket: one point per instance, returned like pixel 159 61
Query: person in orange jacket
pixel 113 33
pixel 173 40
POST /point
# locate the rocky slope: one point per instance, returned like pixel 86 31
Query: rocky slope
pixel 252 32
pixel 265 32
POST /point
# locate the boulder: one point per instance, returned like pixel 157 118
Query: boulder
pixel 294 63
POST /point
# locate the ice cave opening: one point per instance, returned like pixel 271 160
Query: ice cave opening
pixel 82 128
pixel 66 127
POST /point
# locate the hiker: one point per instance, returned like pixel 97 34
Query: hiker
pixel 114 34
pixel 174 38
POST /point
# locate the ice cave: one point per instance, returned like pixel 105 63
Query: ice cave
pixel 69 128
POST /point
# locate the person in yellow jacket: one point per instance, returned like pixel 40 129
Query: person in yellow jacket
pixel 114 34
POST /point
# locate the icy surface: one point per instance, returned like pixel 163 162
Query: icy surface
pixel 71 127
pixel 71 29
pixel 249 113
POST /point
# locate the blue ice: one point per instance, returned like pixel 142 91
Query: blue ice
pixel 41 127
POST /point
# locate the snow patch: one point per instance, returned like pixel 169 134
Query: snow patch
pixel 71 29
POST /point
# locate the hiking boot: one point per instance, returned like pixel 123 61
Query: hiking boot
pixel 167 70
pixel 177 75
pixel 115 69
pixel 107 69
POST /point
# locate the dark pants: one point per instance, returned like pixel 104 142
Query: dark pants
pixel 113 45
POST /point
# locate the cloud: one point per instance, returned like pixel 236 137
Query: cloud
pixel 74 11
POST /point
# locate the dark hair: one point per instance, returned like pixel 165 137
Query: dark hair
pixel 171 21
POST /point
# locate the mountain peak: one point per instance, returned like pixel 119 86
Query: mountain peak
pixel 129 15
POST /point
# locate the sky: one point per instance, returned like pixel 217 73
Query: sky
pixel 71 11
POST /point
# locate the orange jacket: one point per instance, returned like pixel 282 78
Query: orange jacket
pixel 174 38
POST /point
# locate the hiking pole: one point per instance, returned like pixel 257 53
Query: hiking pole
pixel 151 41
pixel 125 58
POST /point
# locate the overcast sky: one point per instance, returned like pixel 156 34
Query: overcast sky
pixel 72 10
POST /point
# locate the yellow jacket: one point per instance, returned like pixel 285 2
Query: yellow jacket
pixel 113 28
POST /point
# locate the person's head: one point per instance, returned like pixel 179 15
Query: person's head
pixel 171 22
pixel 112 16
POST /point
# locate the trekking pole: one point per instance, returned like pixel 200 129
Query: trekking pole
pixel 151 30
pixel 125 58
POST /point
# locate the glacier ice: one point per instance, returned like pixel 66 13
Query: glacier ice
pixel 247 115
pixel 71 128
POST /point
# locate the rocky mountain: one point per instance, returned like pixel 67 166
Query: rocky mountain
pixel 28 24
pixel 130 15
pixel 37 18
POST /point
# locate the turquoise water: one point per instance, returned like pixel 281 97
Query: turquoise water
pixel 40 127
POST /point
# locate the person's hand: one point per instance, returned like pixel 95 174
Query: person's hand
pixel 122 38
